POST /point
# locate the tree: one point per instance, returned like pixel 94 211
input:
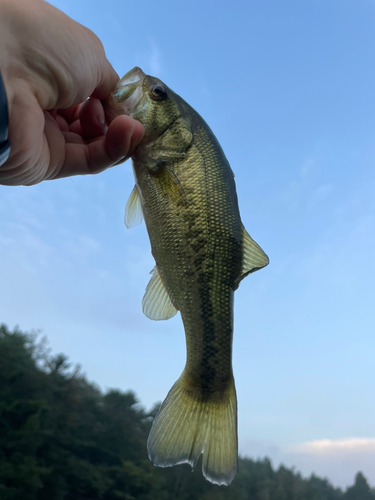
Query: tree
pixel 360 490
pixel 61 438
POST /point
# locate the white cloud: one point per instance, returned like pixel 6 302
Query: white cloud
pixel 338 460
pixel 150 59
pixel 82 245
pixel 308 187
pixel 335 446
pixel 154 58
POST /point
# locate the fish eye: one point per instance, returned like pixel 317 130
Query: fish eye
pixel 158 93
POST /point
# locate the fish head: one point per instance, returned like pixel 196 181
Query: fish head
pixel 146 99
pixel 128 92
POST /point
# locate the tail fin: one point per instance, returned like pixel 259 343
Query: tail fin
pixel 187 426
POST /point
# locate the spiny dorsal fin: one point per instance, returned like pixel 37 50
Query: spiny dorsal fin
pixel 253 257
pixel 156 303
pixel 133 209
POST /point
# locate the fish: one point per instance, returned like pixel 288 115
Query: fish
pixel 185 191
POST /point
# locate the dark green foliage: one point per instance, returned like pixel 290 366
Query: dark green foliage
pixel 62 439
pixel 360 490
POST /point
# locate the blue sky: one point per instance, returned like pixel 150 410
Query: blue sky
pixel 288 88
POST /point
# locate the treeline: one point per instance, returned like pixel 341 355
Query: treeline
pixel 61 438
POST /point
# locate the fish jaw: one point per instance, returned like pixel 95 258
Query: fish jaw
pixel 128 92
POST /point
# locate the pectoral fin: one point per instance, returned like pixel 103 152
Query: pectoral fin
pixel 253 257
pixel 156 303
pixel 133 209
pixel 169 182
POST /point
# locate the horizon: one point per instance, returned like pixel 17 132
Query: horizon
pixel 43 352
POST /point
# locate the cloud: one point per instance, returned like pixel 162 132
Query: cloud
pixel 307 188
pixel 82 245
pixel 335 446
pixel 339 460
pixel 150 58
pixel 154 58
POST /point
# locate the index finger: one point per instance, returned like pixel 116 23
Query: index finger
pixel 107 84
pixel 107 75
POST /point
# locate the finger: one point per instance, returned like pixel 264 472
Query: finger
pixel 62 123
pixel 109 78
pixel 138 133
pixel 116 145
pixel 118 138
pixel 92 118
pixel 76 127
pixel 70 114
pixel 136 138
pixel 72 138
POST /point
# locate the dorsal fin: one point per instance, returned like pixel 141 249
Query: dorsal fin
pixel 156 303
pixel 133 209
pixel 253 257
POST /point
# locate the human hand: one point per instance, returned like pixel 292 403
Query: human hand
pixel 50 65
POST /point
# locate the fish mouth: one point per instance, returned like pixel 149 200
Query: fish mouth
pixel 128 92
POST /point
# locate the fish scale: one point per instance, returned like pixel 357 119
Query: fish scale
pixel 188 198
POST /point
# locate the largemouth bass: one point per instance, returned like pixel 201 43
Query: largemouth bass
pixel 185 190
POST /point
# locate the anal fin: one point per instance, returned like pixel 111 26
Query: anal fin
pixel 253 258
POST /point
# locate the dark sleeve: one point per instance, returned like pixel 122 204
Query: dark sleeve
pixel 4 122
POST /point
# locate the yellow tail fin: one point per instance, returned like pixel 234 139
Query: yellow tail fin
pixel 188 425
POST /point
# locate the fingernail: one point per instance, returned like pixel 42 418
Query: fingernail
pixel 138 140
pixel 131 130
pixel 101 115
pixel 140 134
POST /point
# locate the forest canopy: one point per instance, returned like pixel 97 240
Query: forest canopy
pixel 61 438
